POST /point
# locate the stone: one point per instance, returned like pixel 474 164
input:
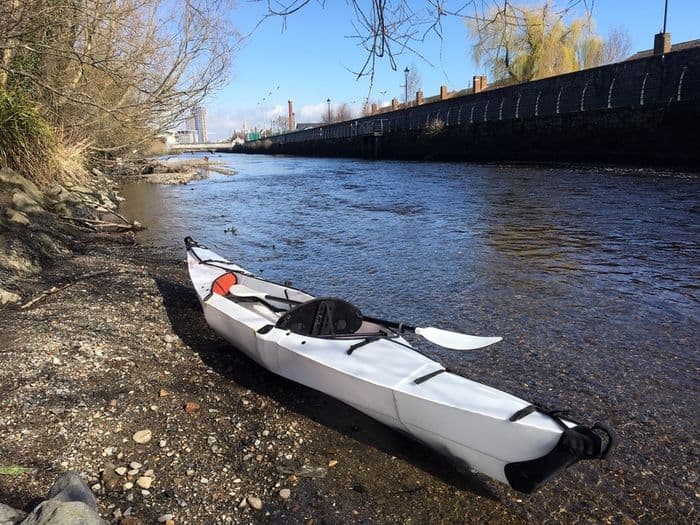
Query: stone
pixel 254 502
pixel 211 440
pixel 120 470
pixel 10 516
pixel 162 443
pixel 163 393
pixel 55 511
pixel 8 297
pixel 332 463
pixel 191 406
pixel 130 520
pixel 149 473
pixel 144 482
pixel 17 217
pixel 142 436
pixel 24 203
pixel 110 478
pixel 128 485
pixel 135 465
pixel 285 493
pixel 165 517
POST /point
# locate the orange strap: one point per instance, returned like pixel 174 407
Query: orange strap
pixel 223 284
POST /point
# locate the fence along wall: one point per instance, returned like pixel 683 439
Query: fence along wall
pixel 656 81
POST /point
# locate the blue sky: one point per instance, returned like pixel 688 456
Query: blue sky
pixel 312 58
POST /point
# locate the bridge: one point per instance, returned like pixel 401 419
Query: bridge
pixel 210 146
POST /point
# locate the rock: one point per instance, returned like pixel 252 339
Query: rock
pixel 17 216
pixel 144 482
pixel 142 436
pixel 53 511
pixel 8 297
pixel 149 473
pixel 70 501
pixel 24 203
pixel 332 463
pixel 96 487
pixel 10 516
pixel 130 520
pixel 162 443
pixel 254 502
pixel 110 478
pixel 128 485
pixel 165 517
pixel 163 393
pixel 120 471
pixel 285 493
pixel 211 440
pixel 135 465
pixel 191 406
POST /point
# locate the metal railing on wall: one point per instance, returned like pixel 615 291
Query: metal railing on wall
pixel 664 79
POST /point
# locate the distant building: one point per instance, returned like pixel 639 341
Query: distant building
pixel 307 125
pixel 186 136
pixel 199 118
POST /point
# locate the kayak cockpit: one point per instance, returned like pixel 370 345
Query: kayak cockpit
pixel 295 311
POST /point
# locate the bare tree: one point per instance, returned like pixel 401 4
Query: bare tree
pixel 385 29
pixel 618 45
pixel 114 71
pixel 343 113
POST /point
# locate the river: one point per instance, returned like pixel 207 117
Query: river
pixel 590 274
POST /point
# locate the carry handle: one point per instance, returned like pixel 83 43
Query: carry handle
pixel 612 438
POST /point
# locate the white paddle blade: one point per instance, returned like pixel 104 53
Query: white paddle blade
pixel 455 340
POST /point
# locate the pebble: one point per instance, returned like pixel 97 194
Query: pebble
pixel 144 482
pixel 285 493
pixel 211 440
pixel 142 436
pixel 149 473
pixel 163 393
pixel 162 443
pixel 204 480
pixel 254 502
pixel 135 465
pixel 165 517
pixel 128 485
pixel 96 487
pixel 120 470
pixel 332 463
pixel 145 492
pixel 191 406
pixel 133 472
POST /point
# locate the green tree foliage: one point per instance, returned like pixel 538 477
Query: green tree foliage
pixel 523 43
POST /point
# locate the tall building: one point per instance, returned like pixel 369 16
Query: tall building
pixel 199 115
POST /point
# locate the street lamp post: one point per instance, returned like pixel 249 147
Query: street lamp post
pixel 405 85
pixel 328 100
pixel 665 14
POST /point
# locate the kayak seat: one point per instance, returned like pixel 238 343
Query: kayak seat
pixel 324 316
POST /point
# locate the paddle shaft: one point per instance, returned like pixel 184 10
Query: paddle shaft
pixel 402 327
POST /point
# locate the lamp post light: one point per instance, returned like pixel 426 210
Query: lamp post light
pixel 665 14
pixel 328 100
pixel 405 85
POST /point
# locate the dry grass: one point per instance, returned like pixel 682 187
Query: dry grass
pixel 30 146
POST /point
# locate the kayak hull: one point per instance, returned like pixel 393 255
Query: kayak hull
pixel 390 382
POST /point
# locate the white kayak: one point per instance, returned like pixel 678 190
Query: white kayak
pixel 327 344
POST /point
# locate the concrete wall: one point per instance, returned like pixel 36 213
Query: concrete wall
pixel 641 111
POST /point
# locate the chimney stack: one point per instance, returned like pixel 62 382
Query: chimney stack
pixel 291 114
pixel 662 43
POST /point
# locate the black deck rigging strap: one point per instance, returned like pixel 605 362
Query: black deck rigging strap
pixel 555 414
pixel 423 379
